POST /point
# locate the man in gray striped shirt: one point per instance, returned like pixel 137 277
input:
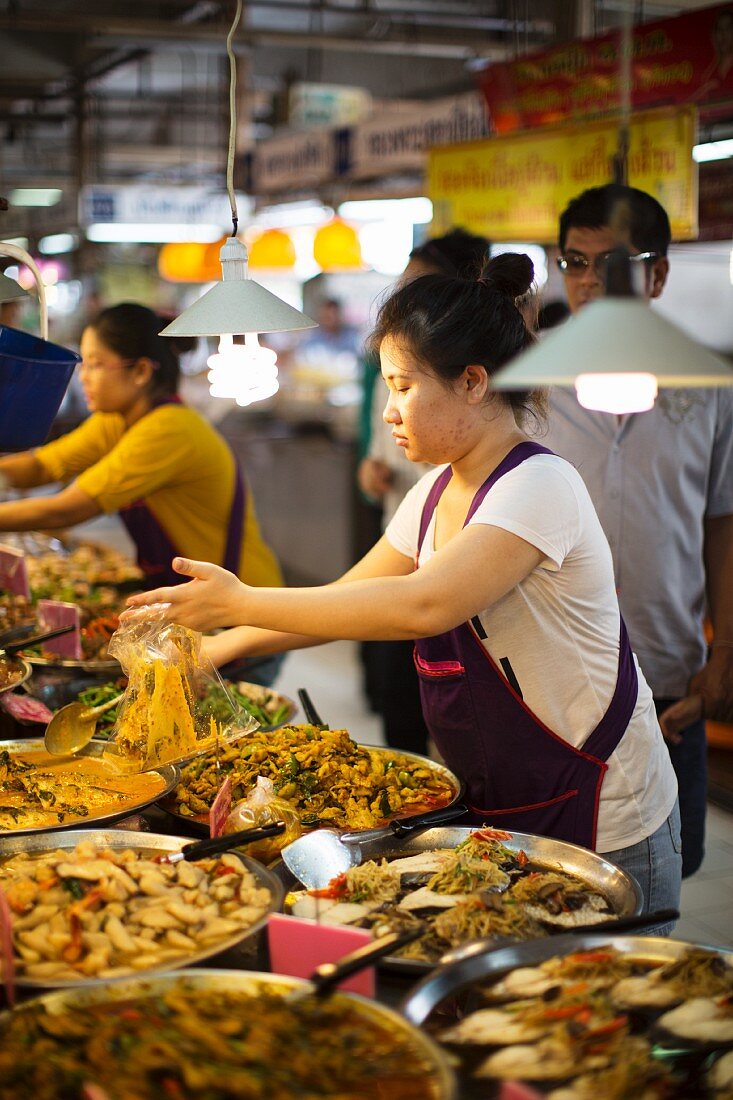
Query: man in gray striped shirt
pixel 662 484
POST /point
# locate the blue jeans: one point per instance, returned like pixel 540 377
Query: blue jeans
pixel 656 864
pixel 690 762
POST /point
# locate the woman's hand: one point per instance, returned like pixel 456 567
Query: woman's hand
pixel 209 601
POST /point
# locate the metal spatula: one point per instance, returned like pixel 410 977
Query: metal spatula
pixel 320 856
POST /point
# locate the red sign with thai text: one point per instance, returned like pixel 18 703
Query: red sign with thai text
pixel 684 60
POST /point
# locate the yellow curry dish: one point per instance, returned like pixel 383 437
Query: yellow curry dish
pixel 41 791
pixel 330 779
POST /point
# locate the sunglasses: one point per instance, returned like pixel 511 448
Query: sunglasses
pixel 577 264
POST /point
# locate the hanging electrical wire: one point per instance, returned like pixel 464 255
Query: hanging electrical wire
pixel 232 117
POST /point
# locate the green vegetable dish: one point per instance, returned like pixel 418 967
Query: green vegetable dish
pixel 211 1045
pixel 267 707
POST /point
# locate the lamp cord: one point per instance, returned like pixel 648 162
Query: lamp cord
pixel 621 159
pixel 232 117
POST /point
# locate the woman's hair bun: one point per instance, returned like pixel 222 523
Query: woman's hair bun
pixel 510 273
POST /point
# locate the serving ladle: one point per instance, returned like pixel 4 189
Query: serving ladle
pixel 319 856
pixel 73 726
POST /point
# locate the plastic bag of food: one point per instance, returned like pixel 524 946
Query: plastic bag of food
pixel 261 807
pixel 164 717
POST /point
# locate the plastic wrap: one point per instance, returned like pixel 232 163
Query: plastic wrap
pixel 162 718
pixel 260 807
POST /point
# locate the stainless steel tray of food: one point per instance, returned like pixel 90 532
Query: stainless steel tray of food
pixel 619 889
pixel 483 963
pixel 584 1015
pixel 143 844
pixel 105 667
pixel 200 824
pixel 14 671
pixel 216 1067
pixel 77 778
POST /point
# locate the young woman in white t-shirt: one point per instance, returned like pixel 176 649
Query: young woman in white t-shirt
pixel 497 564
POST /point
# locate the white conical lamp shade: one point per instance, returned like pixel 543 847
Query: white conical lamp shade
pixel 10 291
pixel 237 304
pixel 614 336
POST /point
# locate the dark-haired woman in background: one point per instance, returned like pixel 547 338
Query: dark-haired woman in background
pixel 142 453
pixel 386 475
pixel 529 686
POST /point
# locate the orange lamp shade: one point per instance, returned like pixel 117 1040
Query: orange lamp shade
pixel 272 249
pixel 189 262
pixel 336 247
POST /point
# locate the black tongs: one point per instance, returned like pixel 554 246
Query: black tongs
pixel 16 637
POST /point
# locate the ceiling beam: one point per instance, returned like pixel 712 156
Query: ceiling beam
pixel 141 32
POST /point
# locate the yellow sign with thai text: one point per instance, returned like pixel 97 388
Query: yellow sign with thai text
pixel 514 188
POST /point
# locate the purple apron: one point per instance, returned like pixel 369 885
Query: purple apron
pixel 155 551
pixel 519 774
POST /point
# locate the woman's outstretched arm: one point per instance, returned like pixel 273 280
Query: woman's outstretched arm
pixel 469 574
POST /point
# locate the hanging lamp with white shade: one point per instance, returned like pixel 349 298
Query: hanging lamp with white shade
pixel 617 352
pixel 237 308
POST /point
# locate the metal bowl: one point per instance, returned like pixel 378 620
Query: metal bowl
pixel 257 693
pixel 155 844
pixel 246 982
pixel 480 963
pixel 19 664
pixel 105 668
pixel 169 773
pixel 620 888
pixel 202 827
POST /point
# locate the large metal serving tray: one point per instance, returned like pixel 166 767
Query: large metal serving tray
pixel 202 827
pixel 154 844
pixel 105 668
pixel 620 888
pixel 246 982
pixel 481 963
pixel 21 665
pixel 170 774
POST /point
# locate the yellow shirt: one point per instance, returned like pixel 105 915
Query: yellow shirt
pixel 182 469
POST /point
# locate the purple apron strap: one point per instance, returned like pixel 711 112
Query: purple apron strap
pixel 515 458
pixel 235 528
pixel 430 504
pixel 155 549
pixel 604 738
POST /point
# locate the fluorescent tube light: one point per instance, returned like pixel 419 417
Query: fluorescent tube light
pixel 713 150
pixel 144 233
pixel 57 243
pixel 35 196
pixel 418 210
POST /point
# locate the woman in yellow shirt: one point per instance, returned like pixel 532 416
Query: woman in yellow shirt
pixel 172 478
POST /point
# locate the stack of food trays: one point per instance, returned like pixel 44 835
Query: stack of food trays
pixel 100 916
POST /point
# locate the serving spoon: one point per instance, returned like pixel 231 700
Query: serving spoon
pixel 73 726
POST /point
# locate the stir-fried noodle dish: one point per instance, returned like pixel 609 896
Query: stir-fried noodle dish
pixel 477 890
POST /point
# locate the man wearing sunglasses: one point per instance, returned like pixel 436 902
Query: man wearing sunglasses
pixel 662 484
